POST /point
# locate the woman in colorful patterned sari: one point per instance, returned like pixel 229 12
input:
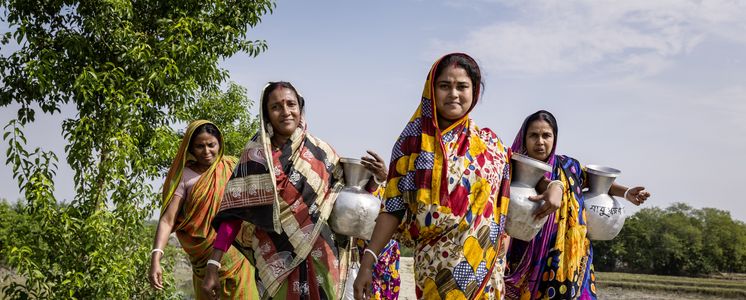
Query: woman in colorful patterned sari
pixel 386 280
pixel 558 262
pixel 277 203
pixel 447 192
pixel 191 198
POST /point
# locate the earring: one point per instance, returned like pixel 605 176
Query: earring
pixel 270 132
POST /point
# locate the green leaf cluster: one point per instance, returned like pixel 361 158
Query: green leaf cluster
pixel 678 240
pixel 130 71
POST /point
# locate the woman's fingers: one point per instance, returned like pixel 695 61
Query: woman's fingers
pixel 371 161
pixel 536 198
pixel 155 277
pixel 368 161
pixel 358 292
pixel 545 209
pixel 375 155
pixel 159 280
pixel 370 166
pixel 638 195
pixel 378 168
pixel 211 291
pixel 362 285
pixel 641 197
pixel 541 212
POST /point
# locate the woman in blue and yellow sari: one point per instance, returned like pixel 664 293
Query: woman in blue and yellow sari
pixel 558 262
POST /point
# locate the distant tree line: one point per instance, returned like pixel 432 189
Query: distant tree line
pixel 678 240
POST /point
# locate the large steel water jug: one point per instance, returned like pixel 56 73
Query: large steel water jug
pixel 604 213
pixel 355 211
pixel 527 172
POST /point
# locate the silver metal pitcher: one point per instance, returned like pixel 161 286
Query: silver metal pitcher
pixel 520 222
pixel 355 210
pixel 604 213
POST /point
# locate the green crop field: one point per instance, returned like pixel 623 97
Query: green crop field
pixel 723 287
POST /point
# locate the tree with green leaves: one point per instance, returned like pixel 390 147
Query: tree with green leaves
pixel 229 110
pixel 678 240
pixel 131 70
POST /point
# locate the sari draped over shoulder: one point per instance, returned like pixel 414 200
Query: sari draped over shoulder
pixel 557 263
pixel 192 225
pixel 284 198
pixel 452 188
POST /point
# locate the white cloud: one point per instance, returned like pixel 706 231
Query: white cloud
pixel 638 37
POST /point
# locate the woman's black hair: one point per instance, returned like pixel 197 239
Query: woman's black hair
pixel 209 128
pixel 275 85
pixel 467 63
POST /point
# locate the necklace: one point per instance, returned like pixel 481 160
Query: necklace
pixel 274 144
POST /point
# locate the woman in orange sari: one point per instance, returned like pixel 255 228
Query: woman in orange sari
pixel 191 197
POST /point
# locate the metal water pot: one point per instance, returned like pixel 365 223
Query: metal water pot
pixel 527 172
pixel 604 213
pixel 355 210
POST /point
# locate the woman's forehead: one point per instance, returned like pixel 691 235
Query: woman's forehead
pixel 282 93
pixel 539 125
pixel 205 136
pixel 454 72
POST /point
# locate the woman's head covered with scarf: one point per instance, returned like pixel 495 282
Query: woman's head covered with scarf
pixel 185 156
pixel 522 139
pixel 422 136
pixel 281 101
pixel 443 87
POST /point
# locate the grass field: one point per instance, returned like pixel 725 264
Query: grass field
pixel 732 287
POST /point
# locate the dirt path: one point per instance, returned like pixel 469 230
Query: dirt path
pixel 615 293
pixel 606 293
pixel 407 288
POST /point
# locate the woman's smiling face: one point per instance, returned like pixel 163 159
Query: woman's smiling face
pixel 283 111
pixel 453 94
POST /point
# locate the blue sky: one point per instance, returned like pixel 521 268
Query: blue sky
pixel 656 89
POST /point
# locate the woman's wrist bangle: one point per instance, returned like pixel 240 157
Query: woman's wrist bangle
pixel 625 193
pixel 375 256
pixel 156 250
pixel 380 183
pixel 553 182
pixel 214 262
